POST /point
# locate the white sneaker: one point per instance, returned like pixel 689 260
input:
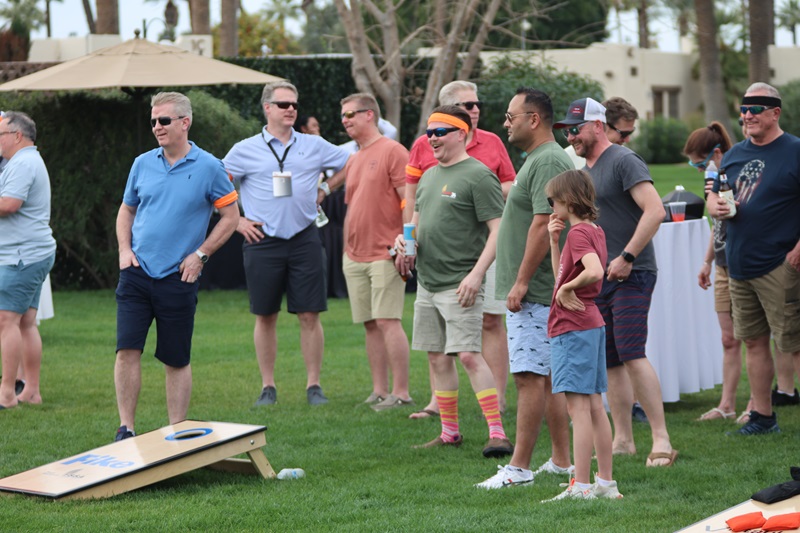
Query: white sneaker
pixel 507 476
pixel 610 492
pixel 574 493
pixel 551 468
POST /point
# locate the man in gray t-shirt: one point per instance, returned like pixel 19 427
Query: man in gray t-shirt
pixel 27 253
pixel 630 214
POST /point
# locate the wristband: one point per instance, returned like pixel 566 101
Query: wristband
pixel 325 188
pixel 203 257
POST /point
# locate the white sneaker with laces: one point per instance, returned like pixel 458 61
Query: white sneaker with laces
pixel 551 468
pixel 507 476
pixel 611 492
pixel 574 493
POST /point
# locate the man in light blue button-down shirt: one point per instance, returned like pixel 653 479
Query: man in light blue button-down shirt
pixel 278 171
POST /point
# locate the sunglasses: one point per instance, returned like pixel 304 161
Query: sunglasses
pixel 164 121
pixel 469 105
pixel 573 130
pixel 510 118
pixel 351 114
pixel 622 134
pixel 550 202
pixel 754 109
pixel 440 132
pixel 702 165
pixel 285 105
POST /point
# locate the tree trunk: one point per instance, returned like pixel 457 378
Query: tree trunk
pixel 229 29
pixel 107 17
pixel 201 17
pixel 439 19
pixel 480 38
pixel 760 25
pixel 712 87
pixel 87 10
pixel 644 32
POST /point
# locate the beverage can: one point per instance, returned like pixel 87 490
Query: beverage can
pixel 409 235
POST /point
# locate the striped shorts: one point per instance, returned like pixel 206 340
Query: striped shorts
pixel 625 306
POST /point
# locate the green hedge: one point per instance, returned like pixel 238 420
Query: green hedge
pixel 661 140
pixel 88 142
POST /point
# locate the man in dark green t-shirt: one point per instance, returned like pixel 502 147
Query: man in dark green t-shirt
pixel 457 213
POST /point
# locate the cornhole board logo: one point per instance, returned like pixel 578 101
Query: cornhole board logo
pixel 144 459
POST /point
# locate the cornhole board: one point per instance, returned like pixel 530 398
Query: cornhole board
pixel 146 459
pixel 717 522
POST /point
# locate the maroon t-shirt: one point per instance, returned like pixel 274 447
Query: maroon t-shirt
pixel 582 239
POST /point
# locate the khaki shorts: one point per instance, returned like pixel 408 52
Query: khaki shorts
pixel 442 325
pixel 491 305
pixel 722 290
pixel 375 290
pixel 767 304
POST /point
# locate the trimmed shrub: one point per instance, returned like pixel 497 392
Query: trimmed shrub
pixel 660 141
pixel 790 112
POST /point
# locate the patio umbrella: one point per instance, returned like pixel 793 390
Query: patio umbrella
pixel 135 64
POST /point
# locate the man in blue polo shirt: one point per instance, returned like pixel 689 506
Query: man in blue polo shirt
pixel 27 252
pixel 279 170
pixel 161 231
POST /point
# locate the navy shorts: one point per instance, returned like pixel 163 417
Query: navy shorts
pixel 296 266
pixel 170 301
pixel 625 305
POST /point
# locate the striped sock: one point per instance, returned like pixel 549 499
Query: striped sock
pixel 448 412
pixel 491 410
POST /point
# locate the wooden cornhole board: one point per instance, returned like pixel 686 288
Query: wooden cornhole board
pixel 146 459
pixel 717 522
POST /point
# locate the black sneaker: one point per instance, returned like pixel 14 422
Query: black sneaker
pixel 638 414
pixel 315 395
pixel 268 396
pixel 781 399
pixel 19 386
pixel 758 425
pixel 124 433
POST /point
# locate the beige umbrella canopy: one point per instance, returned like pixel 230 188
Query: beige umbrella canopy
pixel 137 63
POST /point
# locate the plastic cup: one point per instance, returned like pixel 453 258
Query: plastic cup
pixel 678 211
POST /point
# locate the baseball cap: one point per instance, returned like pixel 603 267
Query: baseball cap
pixel 583 110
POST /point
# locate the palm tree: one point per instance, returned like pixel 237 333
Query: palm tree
pixel 200 13
pixel 711 83
pixel 761 35
pixel 228 29
pixel 282 10
pixel 789 17
pixel 23 16
pixel 107 17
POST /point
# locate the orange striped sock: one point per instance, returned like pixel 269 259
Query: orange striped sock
pixel 448 411
pixel 491 410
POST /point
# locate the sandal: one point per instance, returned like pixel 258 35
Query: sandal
pixel 744 418
pixel 425 413
pixel 716 414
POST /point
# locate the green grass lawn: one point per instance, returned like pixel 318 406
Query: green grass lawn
pixel 362 474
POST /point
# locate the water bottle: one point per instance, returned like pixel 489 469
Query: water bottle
pixel 291 473
pixel 711 176
pixel 726 192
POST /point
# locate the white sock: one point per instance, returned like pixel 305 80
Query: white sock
pixel 602 482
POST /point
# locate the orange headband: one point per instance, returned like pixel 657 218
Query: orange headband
pixel 449 119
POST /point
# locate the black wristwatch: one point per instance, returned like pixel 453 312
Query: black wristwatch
pixel 203 257
pixel 629 257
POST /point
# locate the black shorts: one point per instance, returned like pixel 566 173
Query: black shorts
pixel 170 301
pixel 296 266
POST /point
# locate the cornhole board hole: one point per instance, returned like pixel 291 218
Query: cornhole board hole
pixel 146 459
pixel 717 522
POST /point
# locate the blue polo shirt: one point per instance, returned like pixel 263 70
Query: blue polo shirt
pixel 25 236
pixel 252 163
pixel 173 206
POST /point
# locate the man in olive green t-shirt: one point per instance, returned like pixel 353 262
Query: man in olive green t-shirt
pixel 525 280
pixel 458 208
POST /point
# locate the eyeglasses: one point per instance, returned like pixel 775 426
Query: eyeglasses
pixel 754 109
pixel 622 134
pixel 285 105
pixel 351 114
pixel 550 202
pixel 469 105
pixel 573 130
pixel 510 117
pixel 704 163
pixel 164 121
pixel 7 132
pixel 440 132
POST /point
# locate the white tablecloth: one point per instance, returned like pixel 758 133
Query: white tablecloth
pixel 683 342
